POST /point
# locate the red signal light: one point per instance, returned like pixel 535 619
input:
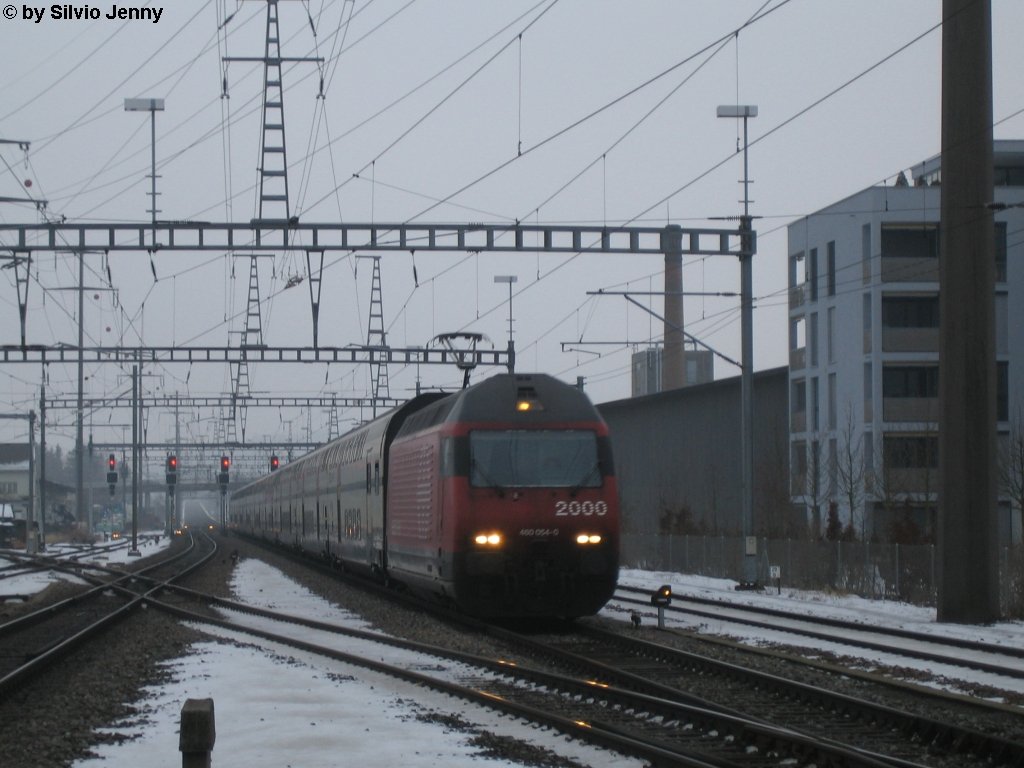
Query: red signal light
pixel 274 463
pixel 112 462
pixel 172 463
pixel 225 463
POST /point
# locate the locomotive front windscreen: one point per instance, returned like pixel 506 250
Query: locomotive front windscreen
pixel 534 458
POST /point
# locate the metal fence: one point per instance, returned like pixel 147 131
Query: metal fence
pixel 872 570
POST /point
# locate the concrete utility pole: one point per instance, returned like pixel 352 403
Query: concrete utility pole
pixel 673 359
pixel 968 588
pixel 746 255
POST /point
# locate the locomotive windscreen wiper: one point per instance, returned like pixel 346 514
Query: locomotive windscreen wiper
pixel 583 480
pixel 478 467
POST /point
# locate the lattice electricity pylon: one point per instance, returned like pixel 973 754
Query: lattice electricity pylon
pixel 252 338
pixel 376 338
pixel 332 421
pixel 273 203
pixel 274 158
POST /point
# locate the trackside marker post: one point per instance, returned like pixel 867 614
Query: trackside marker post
pixel 195 741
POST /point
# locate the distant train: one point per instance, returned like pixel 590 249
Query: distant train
pixel 499 499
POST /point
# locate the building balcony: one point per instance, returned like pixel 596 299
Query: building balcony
pixel 798 421
pixel 910 340
pixel 917 409
pixel 798 359
pixel 900 482
pixel 896 269
pixel 797 296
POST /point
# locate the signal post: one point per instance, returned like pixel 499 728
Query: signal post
pixel 222 478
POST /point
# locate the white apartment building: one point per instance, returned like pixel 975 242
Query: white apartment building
pixel 864 342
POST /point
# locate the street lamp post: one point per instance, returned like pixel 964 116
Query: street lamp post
pixel 152 106
pixel 746 255
pixel 510 279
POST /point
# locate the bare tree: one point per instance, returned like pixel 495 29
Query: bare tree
pixel 1011 464
pixel 819 489
pixel 850 471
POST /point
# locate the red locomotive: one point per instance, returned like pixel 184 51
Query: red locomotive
pixel 500 499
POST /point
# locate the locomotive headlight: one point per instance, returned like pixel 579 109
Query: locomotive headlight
pixel 488 539
pixel 588 538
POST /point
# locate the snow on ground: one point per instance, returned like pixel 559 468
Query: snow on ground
pixel 109 553
pixel 870 613
pixel 280 707
pixel 887 613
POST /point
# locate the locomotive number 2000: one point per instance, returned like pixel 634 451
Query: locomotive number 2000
pixel 577 508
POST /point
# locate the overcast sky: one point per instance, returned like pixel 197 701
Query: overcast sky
pixel 564 111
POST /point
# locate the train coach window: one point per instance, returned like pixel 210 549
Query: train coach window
pixel 534 458
pixel 376 477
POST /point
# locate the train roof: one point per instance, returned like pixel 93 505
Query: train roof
pixel 500 398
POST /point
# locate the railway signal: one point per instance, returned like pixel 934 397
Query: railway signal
pixel 274 463
pixel 660 598
pixel 172 473
pixel 225 465
pixel 112 473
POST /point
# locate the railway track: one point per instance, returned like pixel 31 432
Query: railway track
pixel 34 641
pixel 1002 665
pixel 655 724
pixel 737 715
pixel 637 698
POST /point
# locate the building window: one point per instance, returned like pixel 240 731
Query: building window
pixel 833 463
pixel 830 333
pixel 815 405
pixel 910 241
pixel 832 405
pixel 1008 176
pixel 1002 391
pixel 796 270
pixel 1000 251
pixel 831 268
pixel 814 339
pixel 910 311
pixel 798 396
pixel 798 464
pixel 812 273
pixel 815 470
pixel 868 389
pixel 865 252
pixel 911 451
pixel 910 381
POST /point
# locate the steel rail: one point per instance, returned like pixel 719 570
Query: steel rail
pixel 729 725
pixel 904 634
pixel 63 646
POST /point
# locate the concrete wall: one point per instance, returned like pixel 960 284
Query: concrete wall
pixel 681 449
